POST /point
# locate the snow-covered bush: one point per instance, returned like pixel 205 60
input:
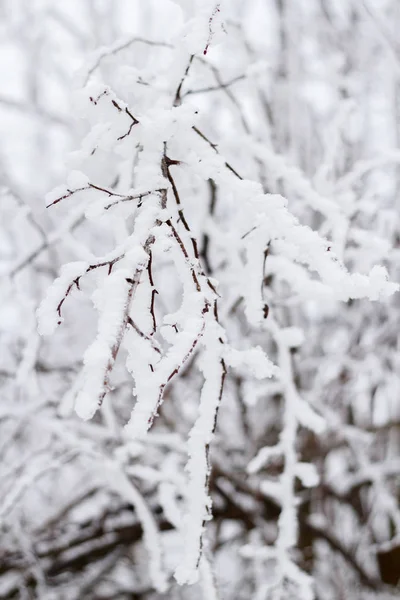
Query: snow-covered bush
pixel 199 331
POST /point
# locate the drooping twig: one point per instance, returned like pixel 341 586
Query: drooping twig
pixel 119 47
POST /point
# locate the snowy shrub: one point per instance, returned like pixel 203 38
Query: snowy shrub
pixel 199 391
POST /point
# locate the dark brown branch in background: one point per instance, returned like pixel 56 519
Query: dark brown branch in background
pixel 92 542
pixel 348 555
pixel 72 552
pixel 204 252
pixel 272 509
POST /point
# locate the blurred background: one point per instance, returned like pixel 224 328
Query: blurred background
pixel 303 97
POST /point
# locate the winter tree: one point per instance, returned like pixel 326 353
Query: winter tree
pixel 199 319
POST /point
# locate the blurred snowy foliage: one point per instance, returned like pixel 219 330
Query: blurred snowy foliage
pixel 199 322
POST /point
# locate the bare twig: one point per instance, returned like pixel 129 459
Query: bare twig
pixel 215 148
pixel 119 47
